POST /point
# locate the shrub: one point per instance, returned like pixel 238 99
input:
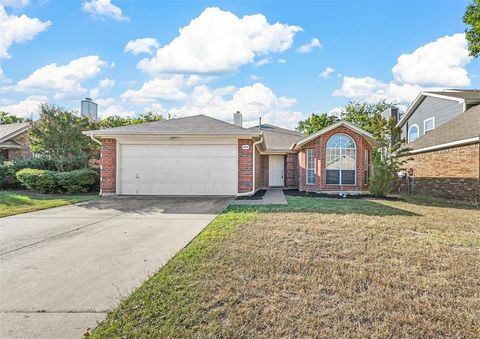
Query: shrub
pixel 42 181
pixel 384 176
pixel 77 181
pixel 8 169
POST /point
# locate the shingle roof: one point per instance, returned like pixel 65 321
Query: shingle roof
pixel 463 126
pixel 195 125
pixel 277 138
pixel 469 94
pixel 8 130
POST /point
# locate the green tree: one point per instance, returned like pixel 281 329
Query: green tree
pixel 6 118
pixel 359 113
pixel 316 122
pixel 363 114
pixel 389 157
pixel 472 20
pixel 117 121
pixel 58 135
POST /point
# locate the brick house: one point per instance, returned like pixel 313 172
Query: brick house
pixel 13 141
pixel 443 134
pixel 200 155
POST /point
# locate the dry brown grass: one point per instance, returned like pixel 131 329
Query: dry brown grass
pixel 408 270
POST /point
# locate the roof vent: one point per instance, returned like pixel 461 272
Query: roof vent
pixel 237 118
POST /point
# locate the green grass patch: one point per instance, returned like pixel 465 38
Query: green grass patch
pixel 17 202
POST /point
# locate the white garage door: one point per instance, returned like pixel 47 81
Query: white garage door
pixel 179 169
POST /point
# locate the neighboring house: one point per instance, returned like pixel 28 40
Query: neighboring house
pixel 200 155
pixel 443 133
pixel 13 141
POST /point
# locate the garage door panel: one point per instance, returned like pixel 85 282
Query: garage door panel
pixel 179 169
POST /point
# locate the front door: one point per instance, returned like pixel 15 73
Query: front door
pixel 275 170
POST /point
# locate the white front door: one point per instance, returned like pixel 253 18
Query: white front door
pixel 275 170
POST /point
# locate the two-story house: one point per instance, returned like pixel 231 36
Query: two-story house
pixel 442 130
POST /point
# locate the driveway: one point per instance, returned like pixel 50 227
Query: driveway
pixel 62 269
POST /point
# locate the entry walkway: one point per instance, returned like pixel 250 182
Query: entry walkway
pixel 273 196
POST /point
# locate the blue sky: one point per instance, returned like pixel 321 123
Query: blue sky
pixel 131 57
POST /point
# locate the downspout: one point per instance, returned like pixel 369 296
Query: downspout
pixel 96 140
pixel 253 169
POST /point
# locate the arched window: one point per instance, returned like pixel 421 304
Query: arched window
pixel 341 160
pixel 412 133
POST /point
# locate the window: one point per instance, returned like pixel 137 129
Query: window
pixel 428 125
pixel 341 160
pixel 367 170
pixel 310 167
pixel 412 133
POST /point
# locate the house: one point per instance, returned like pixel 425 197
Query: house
pixel 200 155
pixel 13 141
pixel 443 134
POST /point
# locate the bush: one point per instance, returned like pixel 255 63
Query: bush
pixel 43 181
pixel 384 177
pixel 8 169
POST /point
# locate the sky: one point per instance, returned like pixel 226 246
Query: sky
pixel 279 60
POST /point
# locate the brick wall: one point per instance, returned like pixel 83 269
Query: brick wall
pixel 108 166
pixel 291 177
pixel 20 153
pixel 245 166
pixel 319 144
pixel 452 173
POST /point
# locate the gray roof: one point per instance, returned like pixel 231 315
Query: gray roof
pixel 9 130
pixel 277 138
pixel 194 125
pixel 469 94
pixel 463 126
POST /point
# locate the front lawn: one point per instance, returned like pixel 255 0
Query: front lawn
pixel 317 268
pixel 16 202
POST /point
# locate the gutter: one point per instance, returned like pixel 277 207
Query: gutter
pixel 96 140
pixel 253 169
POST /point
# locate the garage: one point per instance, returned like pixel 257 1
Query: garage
pixel 178 169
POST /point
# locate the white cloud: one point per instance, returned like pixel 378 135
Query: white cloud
pixel 434 66
pixel 255 77
pixel 27 107
pixel 373 90
pixel 327 72
pixel 438 63
pixel 282 61
pixel 253 101
pixel 161 89
pixel 219 41
pixel 308 47
pixel 1 73
pixel 263 62
pixel 144 45
pixel 336 111
pixel 17 29
pixel 64 80
pixel 109 107
pixel 102 85
pixel 14 3
pixel 104 8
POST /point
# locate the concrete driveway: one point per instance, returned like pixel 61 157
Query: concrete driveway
pixel 61 269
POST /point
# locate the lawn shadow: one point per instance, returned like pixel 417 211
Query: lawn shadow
pixel 327 206
pixel 422 200
pixel 16 200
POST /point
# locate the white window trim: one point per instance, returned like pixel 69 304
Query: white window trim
pixel 367 164
pixel 418 132
pixel 340 178
pixel 306 166
pixel 424 123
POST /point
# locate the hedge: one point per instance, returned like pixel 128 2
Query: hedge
pixel 8 169
pixel 43 181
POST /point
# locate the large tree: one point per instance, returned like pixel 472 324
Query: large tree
pixel 6 118
pixel 360 113
pixel 57 134
pixel 472 20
